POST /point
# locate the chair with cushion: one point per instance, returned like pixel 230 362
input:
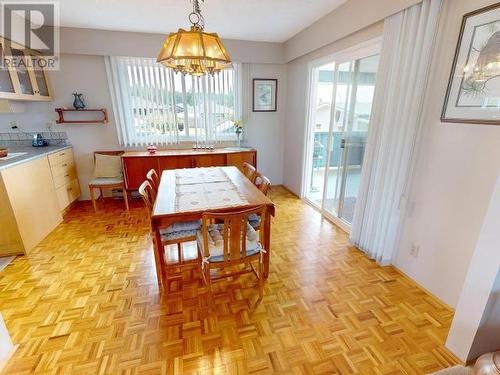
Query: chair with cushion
pixel 226 240
pixel 249 171
pixel 154 180
pixel 263 184
pixel 108 174
pixel 176 233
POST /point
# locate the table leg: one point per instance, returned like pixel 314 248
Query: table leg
pixel 267 243
pixel 159 259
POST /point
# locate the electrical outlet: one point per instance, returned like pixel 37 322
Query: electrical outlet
pixel 414 250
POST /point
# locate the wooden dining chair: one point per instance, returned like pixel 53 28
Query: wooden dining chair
pixel 108 174
pixel 227 240
pixel 249 171
pixel 153 179
pixel 175 234
pixel 263 184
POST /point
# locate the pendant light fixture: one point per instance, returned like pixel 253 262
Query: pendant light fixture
pixel 194 52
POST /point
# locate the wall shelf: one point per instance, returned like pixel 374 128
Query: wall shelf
pixel 62 120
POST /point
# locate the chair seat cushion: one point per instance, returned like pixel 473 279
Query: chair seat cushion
pixel 183 226
pixel 177 236
pixel 108 166
pixel 254 220
pixel 106 181
pixel 216 242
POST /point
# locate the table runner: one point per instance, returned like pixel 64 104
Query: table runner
pixel 200 175
pixel 204 188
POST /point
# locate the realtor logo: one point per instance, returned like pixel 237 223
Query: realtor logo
pixel 31 35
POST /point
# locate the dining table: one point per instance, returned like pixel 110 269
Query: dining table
pixel 185 194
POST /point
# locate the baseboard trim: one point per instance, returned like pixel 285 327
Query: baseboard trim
pixel 287 189
pixel 3 364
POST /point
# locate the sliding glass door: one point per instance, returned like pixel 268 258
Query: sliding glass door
pixel 339 115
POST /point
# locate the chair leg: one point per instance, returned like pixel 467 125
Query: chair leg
pixel 179 253
pixel 209 285
pixel 261 278
pixel 101 194
pixel 92 198
pixel 125 196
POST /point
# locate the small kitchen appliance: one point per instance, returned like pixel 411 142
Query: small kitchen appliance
pixel 38 141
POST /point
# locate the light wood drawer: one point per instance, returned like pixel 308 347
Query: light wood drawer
pixel 61 156
pixel 65 178
pixel 62 168
pixel 68 193
pixel 63 197
pixel 74 190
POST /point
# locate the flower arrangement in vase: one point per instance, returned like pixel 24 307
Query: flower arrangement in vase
pixel 238 129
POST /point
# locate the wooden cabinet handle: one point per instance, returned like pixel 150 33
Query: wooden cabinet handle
pixel 65 165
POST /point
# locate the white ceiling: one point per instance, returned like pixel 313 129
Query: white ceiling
pixel 258 20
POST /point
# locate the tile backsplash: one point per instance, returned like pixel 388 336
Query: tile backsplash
pixel 25 138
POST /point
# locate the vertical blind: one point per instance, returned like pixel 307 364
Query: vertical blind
pixel 154 105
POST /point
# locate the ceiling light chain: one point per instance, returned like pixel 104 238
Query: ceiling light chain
pixel 200 21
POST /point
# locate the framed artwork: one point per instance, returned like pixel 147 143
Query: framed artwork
pixel 265 95
pixel 473 94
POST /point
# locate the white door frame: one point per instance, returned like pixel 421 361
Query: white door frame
pixel 365 49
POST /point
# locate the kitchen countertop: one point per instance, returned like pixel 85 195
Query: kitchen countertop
pixel 31 154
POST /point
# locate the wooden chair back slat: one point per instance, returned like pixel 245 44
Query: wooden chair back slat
pixel 234 232
pixel 262 183
pixel 249 171
pixel 154 180
pixel 147 194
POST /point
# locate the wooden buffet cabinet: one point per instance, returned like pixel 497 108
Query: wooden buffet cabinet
pixel 137 163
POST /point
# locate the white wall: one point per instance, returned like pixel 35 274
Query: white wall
pixel 6 345
pixel 476 324
pixel 265 130
pixel 120 43
pixel 296 104
pixel 454 177
pixel 85 72
pixel 352 16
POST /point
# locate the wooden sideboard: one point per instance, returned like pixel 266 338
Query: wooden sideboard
pixel 137 163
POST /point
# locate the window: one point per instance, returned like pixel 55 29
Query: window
pixel 152 104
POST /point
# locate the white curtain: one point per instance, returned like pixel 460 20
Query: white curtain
pixel 408 42
pixel 154 105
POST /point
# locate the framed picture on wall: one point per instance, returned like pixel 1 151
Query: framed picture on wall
pixel 473 94
pixel 265 95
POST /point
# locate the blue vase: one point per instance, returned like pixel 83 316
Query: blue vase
pixel 78 102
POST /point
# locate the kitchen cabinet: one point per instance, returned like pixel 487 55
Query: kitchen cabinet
pixel 23 82
pixel 63 170
pixel 29 208
pixel 137 163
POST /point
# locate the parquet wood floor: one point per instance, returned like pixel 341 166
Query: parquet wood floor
pixel 86 302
